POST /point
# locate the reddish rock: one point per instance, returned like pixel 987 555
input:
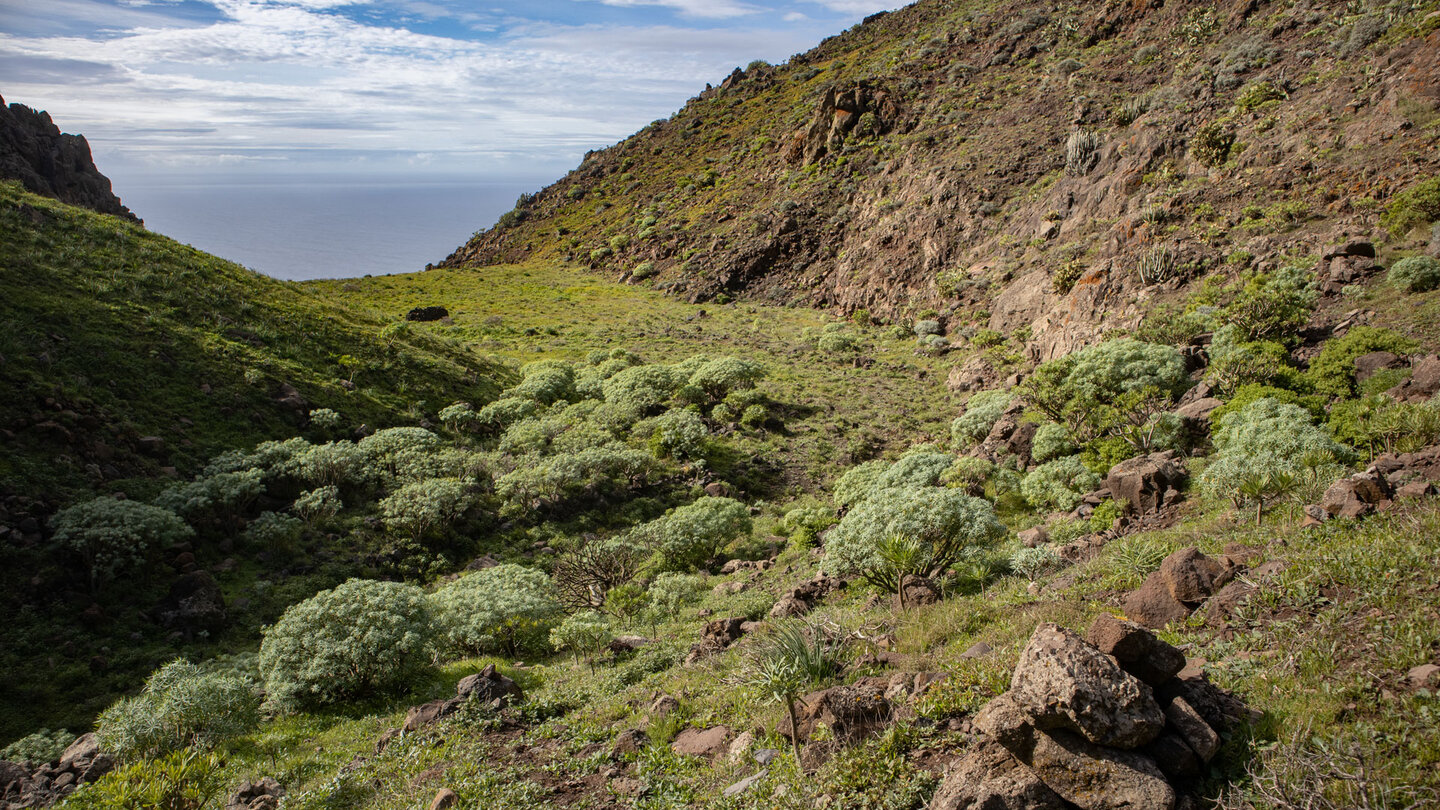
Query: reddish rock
pixel 1190 576
pixel 1143 481
pixel 444 799
pixel 1357 495
pixel 694 742
pixel 1424 382
pixel 988 777
pixel 1368 365
pixel 1425 676
pixel 1153 606
pixel 1139 651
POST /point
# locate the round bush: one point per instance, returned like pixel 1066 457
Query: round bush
pixel 419 508
pixel 1415 274
pixel 508 607
pixel 856 484
pixel 679 432
pixel 1051 441
pixel 356 639
pixel 1265 438
pixel 1058 484
pixel 180 706
pixel 944 522
pixel 981 413
pixel 111 535
pixel 686 537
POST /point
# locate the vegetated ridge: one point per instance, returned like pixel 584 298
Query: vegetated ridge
pixel 46 161
pixel 1010 164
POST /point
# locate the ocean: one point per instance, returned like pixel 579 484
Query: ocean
pixel 323 229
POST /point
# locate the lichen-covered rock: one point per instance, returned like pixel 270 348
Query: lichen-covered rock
pixel 1191 577
pixel 1063 682
pixel 1153 605
pixel 989 778
pixel 1143 481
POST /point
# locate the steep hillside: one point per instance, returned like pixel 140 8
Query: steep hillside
pixel 46 161
pixel 1012 164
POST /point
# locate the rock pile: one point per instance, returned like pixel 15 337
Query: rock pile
pixel 802 598
pixel 716 636
pixel 1392 477
pixel 486 687
pixel 82 762
pixel 1099 724
pixel 262 795
pixel 1186 579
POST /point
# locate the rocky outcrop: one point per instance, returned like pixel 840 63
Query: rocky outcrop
pixel 264 794
pixel 49 162
pixel 861 110
pixel 716 636
pixel 1041 746
pixel 1147 483
pixel 1185 579
pixel 81 763
pixel 487 687
pixel 424 314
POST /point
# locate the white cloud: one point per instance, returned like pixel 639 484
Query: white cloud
pixel 709 9
pixel 859 6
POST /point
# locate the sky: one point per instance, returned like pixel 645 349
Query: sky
pixel 267 89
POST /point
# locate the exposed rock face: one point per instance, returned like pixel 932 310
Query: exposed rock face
pixel 81 763
pixel 861 108
pixel 1143 481
pixel 45 161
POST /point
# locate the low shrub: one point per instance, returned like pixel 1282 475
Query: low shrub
pixel 112 535
pixel 180 706
pixel 38 748
pixel 1415 206
pixel 1415 274
pixel 1059 484
pixel 356 639
pixel 981 413
pixel 508 607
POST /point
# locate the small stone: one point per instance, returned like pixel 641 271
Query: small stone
pixel 444 799
pixel 1425 676
pixel 744 784
pixel 740 746
pixel 977 650
pixel 694 742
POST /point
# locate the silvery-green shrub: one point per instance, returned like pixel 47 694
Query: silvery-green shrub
pixel 1058 484
pixel 943 521
pixel 507 607
pixel 111 534
pixel 687 536
pixel 1051 441
pixel 1266 438
pixel 180 706
pixel 359 638
pixel 226 492
pixel 1415 274
pixel 419 508
pixel 679 432
pixel 39 747
pixel 981 413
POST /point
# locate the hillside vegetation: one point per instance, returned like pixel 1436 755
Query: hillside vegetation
pixel 1000 405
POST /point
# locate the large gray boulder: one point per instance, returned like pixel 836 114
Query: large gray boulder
pixel 1064 682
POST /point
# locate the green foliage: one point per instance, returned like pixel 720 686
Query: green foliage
pixel 1415 206
pixel 1378 423
pixel 1266 437
pixel 274 531
pixel 1051 441
pixel 1212 142
pixel 671 591
pixel 504 412
pixel 685 537
pixel 324 419
pixel 1059 484
pixel 319 503
pixel 944 521
pixel 180 706
pixel 1235 362
pixel 1082 390
pixel 113 535
pixel 969 474
pixel 1032 562
pixel 39 747
pixel 585 634
pixel 981 413
pixel 353 640
pixel 803 525
pixel 222 493
pixel 1332 374
pixel 921 467
pixel 721 376
pixel 183 780
pixel 642 389
pixel 927 327
pixel 1257 94
pixel 424 506
pixel 1272 306
pixel 459 417
pixel 545 382
pixel 1105 515
pixel 679 432
pixel 507 607
pixel 1415 274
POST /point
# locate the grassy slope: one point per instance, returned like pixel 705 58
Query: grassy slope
pixel 836 414
pixel 112 333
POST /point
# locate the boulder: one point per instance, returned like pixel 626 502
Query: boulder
pixel 425 714
pixel 1063 682
pixel 1219 709
pixel 851 712
pixel 1199 410
pixel 79 753
pixel 1191 577
pixel 629 742
pixel 289 397
pixel 488 686
pixel 1173 757
pixel 920 591
pixel 1369 364
pixel 663 705
pixel 1090 776
pixel 1143 481
pixel 988 777
pixel 1424 382
pixel 789 606
pixel 1153 606
pixel 263 794
pixel 1191 727
pixel 1137 650
pixel 1425 676
pixel 423 314
pixel 1034 537
pixel 194 603
pixel 444 799
pixel 694 742
pixel 1358 495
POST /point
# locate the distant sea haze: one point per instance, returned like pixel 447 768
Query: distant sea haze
pixel 323 229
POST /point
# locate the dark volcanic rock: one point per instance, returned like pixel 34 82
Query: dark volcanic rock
pixel 427 314
pixel 46 161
